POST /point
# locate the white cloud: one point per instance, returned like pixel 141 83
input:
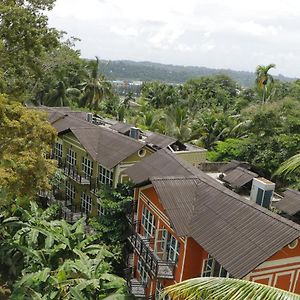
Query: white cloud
pixel 231 33
pixel 129 31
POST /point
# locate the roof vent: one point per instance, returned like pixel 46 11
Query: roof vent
pixel 262 191
pixel 89 117
pixel 134 133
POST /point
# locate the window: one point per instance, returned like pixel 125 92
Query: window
pixel 164 239
pixel 86 203
pixel 142 153
pixel 264 197
pixel 71 158
pixel 58 151
pixel 100 210
pixel 105 176
pixel 142 270
pixel 148 222
pixel 174 248
pixel 70 192
pixel 171 245
pixel 213 269
pixel 158 290
pixel 87 167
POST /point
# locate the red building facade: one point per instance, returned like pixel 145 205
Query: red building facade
pixel 161 257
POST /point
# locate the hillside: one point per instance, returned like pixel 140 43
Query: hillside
pixel 148 71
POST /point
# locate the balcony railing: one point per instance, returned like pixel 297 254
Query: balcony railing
pixel 135 286
pixel 155 266
pixel 71 214
pixel 73 173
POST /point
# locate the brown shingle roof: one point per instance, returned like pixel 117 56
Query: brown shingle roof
pixel 290 203
pixel 239 176
pixel 105 146
pixel 238 233
pixel 161 163
pixel 121 127
pixel 159 140
pixel 234 164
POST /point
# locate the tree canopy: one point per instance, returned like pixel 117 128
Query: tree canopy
pixel 25 138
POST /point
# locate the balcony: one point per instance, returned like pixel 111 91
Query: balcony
pixel 71 214
pixel 95 186
pixel 157 267
pixel 73 173
pixel 135 286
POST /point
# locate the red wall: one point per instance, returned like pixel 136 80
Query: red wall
pixel 281 270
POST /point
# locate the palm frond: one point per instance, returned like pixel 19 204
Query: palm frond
pixel 212 288
pixel 290 166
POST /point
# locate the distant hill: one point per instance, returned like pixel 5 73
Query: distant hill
pixel 149 71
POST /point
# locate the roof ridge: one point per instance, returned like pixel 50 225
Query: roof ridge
pixel 254 205
pixel 96 127
pixel 183 163
pixel 236 196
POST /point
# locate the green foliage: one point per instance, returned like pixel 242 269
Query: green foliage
pixel 96 88
pixel 210 288
pixel 24 40
pixel 49 259
pixel 112 227
pixel 228 150
pixel 148 71
pixel 265 83
pixel 25 137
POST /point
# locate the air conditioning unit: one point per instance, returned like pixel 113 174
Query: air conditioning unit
pixel 134 133
pixel 89 117
pixel 262 191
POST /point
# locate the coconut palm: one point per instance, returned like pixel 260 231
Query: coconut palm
pixel 292 165
pixel 214 288
pixel 264 81
pixel 177 123
pixel 96 88
pixel 62 96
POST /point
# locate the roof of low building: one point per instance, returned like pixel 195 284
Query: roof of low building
pixel 161 163
pixel 121 127
pixel 239 176
pixel 238 233
pixel 290 203
pixel 159 140
pixel 234 164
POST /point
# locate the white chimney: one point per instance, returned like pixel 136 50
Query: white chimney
pixel 262 191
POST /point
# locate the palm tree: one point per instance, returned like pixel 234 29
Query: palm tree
pixel 62 96
pixel 292 165
pixel 264 81
pixel 214 288
pixel 177 123
pixel 96 88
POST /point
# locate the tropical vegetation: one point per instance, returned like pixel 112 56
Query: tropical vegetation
pixel 213 288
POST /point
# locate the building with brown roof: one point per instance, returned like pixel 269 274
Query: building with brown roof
pixel 93 151
pixel 90 156
pixel 186 224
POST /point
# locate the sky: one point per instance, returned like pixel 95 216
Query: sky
pixel 233 34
